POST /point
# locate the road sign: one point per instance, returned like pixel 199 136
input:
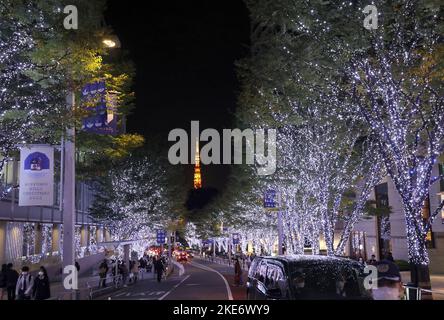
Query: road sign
pixel 271 199
pixel 161 235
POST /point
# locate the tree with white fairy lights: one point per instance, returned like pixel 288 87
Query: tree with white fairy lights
pixel 389 77
pixel 324 162
pixel 132 200
pixel 29 97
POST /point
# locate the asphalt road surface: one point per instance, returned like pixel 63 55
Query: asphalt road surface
pixel 199 282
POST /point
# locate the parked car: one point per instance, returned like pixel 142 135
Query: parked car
pixel 303 277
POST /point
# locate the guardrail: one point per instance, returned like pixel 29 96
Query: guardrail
pixel 226 261
pixel 94 288
pixel 416 293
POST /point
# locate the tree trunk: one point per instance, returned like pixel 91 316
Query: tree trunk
pixel 315 241
pixel 329 237
pixel 418 255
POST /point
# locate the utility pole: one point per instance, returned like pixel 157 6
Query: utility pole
pixel 69 214
pixel 214 249
pixel 280 231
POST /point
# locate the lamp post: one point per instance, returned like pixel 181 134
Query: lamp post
pixel 68 185
pixel 68 205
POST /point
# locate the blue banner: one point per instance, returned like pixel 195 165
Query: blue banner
pixel 270 199
pixel 102 105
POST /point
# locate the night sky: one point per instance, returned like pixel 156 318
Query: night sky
pixel 184 53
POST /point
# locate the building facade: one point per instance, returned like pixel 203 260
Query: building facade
pixel 380 234
pixel 31 235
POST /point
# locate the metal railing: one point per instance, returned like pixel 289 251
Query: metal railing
pixel 416 293
pixel 94 288
pixel 226 261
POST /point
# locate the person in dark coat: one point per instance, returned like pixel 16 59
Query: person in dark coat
pixel 41 285
pixel 103 270
pixel 3 281
pixel 77 266
pixel 25 285
pixel 237 273
pixel 159 268
pixel 11 281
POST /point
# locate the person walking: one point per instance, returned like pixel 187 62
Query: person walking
pixel 103 271
pixel 25 285
pixel 3 281
pixel 124 272
pixel 11 281
pixel 134 270
pixel 42 289
pixel 237 273
pixel 248 262
pixel 159 268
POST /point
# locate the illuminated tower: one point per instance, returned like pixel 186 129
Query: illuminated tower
pixel 197 175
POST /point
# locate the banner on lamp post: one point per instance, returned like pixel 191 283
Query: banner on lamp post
pixel 36 176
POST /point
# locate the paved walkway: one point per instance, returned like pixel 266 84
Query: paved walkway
pixel 238 292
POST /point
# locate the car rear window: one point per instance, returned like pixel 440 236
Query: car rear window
pixel 324 280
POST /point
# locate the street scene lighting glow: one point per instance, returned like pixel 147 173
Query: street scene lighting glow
pixel 327 182
pixel 109 43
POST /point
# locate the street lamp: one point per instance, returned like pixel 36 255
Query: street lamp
pixel 111 42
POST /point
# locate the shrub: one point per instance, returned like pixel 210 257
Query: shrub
pixel 403 265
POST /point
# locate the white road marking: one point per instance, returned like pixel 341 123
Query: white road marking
pixel 201 266
pixel 166 294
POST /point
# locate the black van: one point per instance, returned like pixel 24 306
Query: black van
pixel 304 277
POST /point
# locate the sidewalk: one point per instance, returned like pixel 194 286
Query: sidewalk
pixel 238 292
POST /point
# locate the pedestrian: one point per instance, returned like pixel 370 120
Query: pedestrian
pixel 135 271
pixel 11 281
pixel 142 264
pixel 248 262
pixel 42 289
pixel 372 260
pixel 103 271
pixel 237 273
pixel 154 260
pixel 3 280
pixel 124 272
pixel 389 281
pixel 25 285
pixel 389 257
pixel 77 266
pixel 159 268
pixel 361 261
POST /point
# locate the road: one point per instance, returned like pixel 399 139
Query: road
pixel 199 282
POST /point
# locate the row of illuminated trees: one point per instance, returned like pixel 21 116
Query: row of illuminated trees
pixel 351 106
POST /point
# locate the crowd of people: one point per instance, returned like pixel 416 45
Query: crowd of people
pixel 23 285
pixel 130 274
